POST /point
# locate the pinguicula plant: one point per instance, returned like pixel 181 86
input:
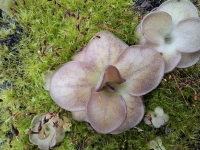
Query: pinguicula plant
pixel 157 118
pixel 48 130
pixel 104 83
pixel 173 29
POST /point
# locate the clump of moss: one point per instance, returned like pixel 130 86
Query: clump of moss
pixel 53 31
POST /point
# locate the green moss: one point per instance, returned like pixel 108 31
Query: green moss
pixel 50 38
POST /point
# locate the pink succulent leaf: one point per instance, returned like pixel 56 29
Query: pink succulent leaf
pixel 71 84
pixel 188 59
pixel 170 55
pixel 135 113
pixel 187 35
pixel 142 67
pixel 103 49
pixel 80 115
pixel 106 111
pixel 179 10
pixel 80 55
pixel 156 26
pixel 110 75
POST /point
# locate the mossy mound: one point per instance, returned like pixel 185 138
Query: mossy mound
pixel 49 33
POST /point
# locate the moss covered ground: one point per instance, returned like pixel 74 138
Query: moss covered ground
pixel 46 34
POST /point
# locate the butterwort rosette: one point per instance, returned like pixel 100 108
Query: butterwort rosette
pixel 173 29
pixel 104 83
pixel 48 129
